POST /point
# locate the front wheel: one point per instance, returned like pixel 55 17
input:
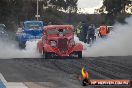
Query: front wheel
pixel 22 45
pixel 79 53
pixel 47 55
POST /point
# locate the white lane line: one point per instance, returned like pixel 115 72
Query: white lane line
pixel 3 79
pixel 12 84
pixel 16 85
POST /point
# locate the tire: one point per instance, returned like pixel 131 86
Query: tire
pixel 22 45
pixel 79 53
pixel 47 55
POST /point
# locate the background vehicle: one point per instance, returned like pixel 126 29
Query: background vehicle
pixel 30 30
pixel 58 40
pixel 3 32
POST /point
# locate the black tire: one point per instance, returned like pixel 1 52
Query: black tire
pixel 47 55
pixel 22 45
pixel 79 53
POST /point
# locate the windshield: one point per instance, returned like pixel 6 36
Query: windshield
pixel 57 31
pixel 35 25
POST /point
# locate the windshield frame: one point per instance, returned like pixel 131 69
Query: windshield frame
pixel 55 31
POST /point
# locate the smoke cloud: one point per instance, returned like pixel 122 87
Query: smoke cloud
pixel 119 42
pixel 10 50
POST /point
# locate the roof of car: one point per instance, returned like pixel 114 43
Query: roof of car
pixel 32 21
pixel 58 26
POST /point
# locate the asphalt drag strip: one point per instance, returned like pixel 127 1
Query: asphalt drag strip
pixel 64 73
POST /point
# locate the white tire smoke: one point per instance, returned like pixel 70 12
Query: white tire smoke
pixel 10 50
pixel 119 43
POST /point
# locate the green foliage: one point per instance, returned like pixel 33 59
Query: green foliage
pixel 121 17
pixel 9 8
pixel 26 9
pixel 115 9
pixel 70 5
pixel 116 6
pixel 12 12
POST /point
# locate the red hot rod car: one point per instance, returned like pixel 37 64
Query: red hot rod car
pixel 58 40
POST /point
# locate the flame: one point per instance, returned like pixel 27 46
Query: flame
pixel 84 73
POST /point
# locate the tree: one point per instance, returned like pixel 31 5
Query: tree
pixel 69 6
pixel 13 12
pixel 115 7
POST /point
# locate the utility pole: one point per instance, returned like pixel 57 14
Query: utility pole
pixel 37 15
pixel 37 8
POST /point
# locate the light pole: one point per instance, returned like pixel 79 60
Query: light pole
pixel 37 15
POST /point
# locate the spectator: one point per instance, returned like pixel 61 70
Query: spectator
pixel 78 30
pixel 103 30
pixel 84 31
pixel 91 33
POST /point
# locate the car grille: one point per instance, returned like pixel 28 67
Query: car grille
pixel 63 44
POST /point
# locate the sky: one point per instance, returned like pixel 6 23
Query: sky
pixel 88 6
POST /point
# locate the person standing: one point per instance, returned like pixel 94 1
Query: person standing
pixel 91 34
pixel 78 31
pixel 103 30
pixel 84 31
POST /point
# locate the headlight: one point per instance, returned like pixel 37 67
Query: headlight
pixel 53 43
pixel 72 42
